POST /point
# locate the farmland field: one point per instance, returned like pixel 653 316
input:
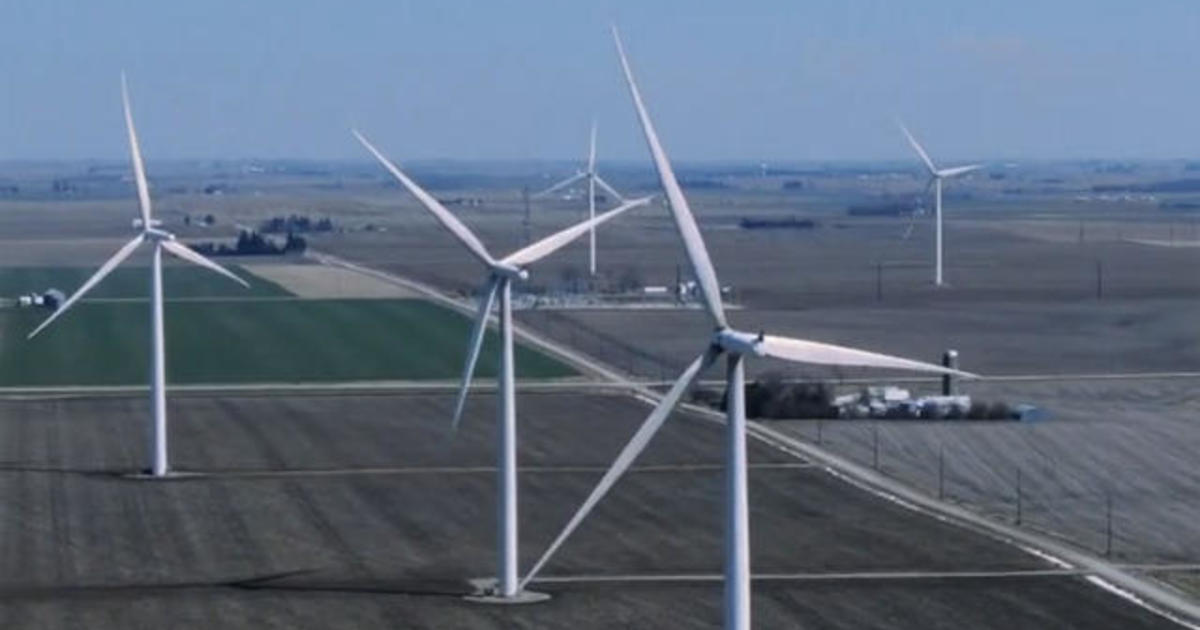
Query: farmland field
pixel 322 511
pixel 325 282
pixel 1130 443
pixel 134 282
pixel 105 343
pixel 1039 289
pixel 1038 286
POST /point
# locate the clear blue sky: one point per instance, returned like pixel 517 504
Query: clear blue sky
pixel 754 79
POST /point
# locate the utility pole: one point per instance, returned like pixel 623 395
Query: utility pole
pixel 941 472
pixel 1019 498
pixel 1099 280
pixel 1108 530
pixel 875 445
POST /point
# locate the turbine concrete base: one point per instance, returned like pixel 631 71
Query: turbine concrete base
pixel 523 597
pixel 486 593
pixel 171 475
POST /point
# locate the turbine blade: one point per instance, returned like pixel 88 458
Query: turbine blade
pixel 635 446
pixel 912 223
pixel 702 268
pixel 476 343
pixel 103 271
pixel 918 211
pixel 135 152
pixel 194 257
pixel 919 149
pixel 448 220
pixel 561 185
pixel 609 189
pixel 947 173
pixel 554 242
pixel 802 351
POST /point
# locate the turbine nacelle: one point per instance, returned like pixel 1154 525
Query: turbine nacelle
pixel 956 171
pixel 739 343
pixel 157 235
pixel 512 272
pixel 139 224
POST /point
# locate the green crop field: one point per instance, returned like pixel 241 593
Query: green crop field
pixel 134 282
pixel 106 343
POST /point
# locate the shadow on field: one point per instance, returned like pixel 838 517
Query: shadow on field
pixel 300 580
pixel 306 581
pixel 26 467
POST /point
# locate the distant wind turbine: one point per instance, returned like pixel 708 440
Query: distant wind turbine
pixel 148 231
pixel 593 179
pixel 501 274
pixel 936 176
pixel 737 345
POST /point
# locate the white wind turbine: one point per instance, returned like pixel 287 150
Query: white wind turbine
pixel 148 231
pixel 936 176
pixel 593 179
pixel 501 274
pixel 737 345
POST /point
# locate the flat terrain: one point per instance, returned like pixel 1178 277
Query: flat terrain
pixel 1026 296
pixel 324 282
pixel 992 338
pixel 837 264
pixel 1131 442
pixel 324 511
pixel 316 511
pixel 237 341
pixel 853 281
pixel 134 282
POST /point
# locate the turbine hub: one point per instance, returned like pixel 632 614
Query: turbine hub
pixel 155 234
pixel 738 342
pixel 511 272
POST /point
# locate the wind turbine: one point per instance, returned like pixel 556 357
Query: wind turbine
pixel 148 232
pixel 593 179
pixel 736 345
pixel 501 273
pixel 936 176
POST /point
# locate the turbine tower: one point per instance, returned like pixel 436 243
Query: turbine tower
pixel 736 345
pixel 148 231
pixel 501 273
pixel 936 176
pixel 593 179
